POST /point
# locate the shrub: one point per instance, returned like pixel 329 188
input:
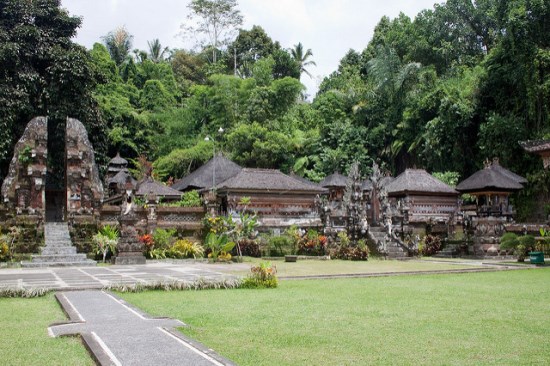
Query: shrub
pixel 102 244
pixel 185 249
pixel 219 247
pixel 520 244
pixel 431 245
pixel 163 238
pixel 214 224
pixel 360 252
pixel 262 276
pixel 281 245
pixel 157 253
pixel 4 251
pixel 249 247
pixel 528 241
pixel 188 199
pixel 509 241
pixel 312 244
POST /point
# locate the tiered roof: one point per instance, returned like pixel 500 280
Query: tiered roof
pixel 335 180
pixel 148 186
pixel 270 180
pixel 203 176
pixel 492 178
pixel 418 181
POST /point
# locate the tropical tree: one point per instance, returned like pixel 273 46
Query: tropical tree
pixel 392 82
pixel 42 72
pixel 156 52
pixel 215 20
pixel 301 58
pixel 118 43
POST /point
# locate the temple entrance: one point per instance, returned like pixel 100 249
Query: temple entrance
pixel 56 182
pixel 55 205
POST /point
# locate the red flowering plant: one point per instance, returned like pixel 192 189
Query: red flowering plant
pixel 312 244
pixel 147 240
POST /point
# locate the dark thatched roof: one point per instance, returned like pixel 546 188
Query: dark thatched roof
pixel 203 176
pixel 385 181
pixel 509 174
pixel 334 180
pixel 270 180
pixel 148 186
pixel 367 185
pixel 535 146
pixel 488 179
pixel 118 160
pixel 121 177
pixel 303 180
pixel 418 181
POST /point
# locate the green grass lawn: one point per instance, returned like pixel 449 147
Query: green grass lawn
pixel 465 319
pixel 335 266
pixel 25 340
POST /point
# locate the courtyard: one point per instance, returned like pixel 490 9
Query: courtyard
pixel 495 317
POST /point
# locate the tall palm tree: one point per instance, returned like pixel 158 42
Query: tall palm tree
pixel 393 80
pixel 156 52
pixel 301 58
pixel 118 43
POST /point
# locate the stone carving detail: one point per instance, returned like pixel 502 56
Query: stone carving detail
pixel 130 249
pixel 84 188
pixel 24 187
pixel 181 217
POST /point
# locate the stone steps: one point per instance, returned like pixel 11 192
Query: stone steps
pixel 393 249
pixel 59 249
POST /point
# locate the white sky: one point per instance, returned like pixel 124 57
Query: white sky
pixel 329 27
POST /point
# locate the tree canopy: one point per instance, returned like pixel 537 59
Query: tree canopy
pixel 445 90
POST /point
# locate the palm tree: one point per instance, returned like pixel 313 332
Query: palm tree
pixel 301 58
pixel 393 80
pixel 118 43
pixel 156 52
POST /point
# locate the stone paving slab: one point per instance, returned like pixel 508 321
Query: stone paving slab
pixel 75 278
pixel 118 334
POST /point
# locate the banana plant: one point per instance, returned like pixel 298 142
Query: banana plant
pixel 218 244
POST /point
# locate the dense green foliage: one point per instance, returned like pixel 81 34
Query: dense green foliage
pixel 456 84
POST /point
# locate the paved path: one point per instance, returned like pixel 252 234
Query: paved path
pixel 78 278
pixel 118 334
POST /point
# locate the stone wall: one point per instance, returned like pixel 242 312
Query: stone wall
pixel 23 190
pixel 186 220
pixel 84 188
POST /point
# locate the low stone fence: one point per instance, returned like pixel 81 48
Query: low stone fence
pixel 184 219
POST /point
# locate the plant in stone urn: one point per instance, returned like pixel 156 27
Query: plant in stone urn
pixel 105 240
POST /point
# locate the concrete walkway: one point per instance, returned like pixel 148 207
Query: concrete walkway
pixel 118 334
pixel 79 278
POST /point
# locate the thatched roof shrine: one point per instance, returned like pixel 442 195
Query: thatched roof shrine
pixel 492 178
pixel 121 178
pixel 540 147
pixel 117 164
pixel 204 176
pixel 149 187
pixel 334 180
pixel 266 180
pixel 418 181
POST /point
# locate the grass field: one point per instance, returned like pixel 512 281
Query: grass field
pixel 465 319
pixel 453 319
pixel 25 340
pixel 338 267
